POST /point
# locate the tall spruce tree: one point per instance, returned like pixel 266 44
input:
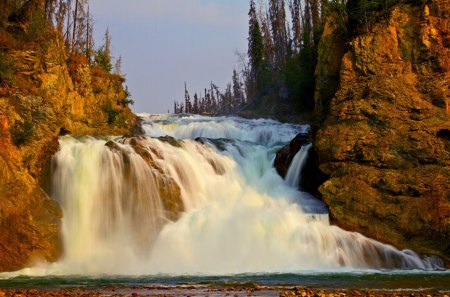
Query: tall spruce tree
pixel 187 100
pixel 277 15
pixel 255 49
pixel 295 9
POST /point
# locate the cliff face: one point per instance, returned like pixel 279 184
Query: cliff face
pixel 48 95
pixel 385 141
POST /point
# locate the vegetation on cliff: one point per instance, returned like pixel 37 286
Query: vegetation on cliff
pixel 50 85
pixel 382 100
pixel 277 75
pixel 383 142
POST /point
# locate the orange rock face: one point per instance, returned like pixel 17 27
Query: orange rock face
pixel 45 98
pixel 386 138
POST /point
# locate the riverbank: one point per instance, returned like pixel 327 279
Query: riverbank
pixel 187 290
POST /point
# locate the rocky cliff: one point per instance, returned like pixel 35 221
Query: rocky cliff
pixel 44 93
pixel 385 141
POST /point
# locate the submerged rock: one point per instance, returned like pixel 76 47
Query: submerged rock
pixel 170 140
pixel 169 191
pixel 218 143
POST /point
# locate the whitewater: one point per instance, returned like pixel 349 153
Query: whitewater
pixel 239 215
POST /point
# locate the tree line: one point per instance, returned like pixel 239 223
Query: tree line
pixel 72 19
pixel 212 101
pixel 280 59
pixel 283 39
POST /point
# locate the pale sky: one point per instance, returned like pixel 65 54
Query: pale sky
pixel 164 43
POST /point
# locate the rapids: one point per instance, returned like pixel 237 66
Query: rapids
pixel 239 215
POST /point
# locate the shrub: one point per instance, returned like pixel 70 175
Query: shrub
pixel 21 133
pixel 6 69
pixel 126 99
pixel 103 60
pixel 111 113
pixel 37 28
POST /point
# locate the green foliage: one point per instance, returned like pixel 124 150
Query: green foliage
pixel 103 59
pixel 338 9
pixel 6 69
pixel 21 133
pixel 362 14
pixel 259 74
pixel 111 113
pixel 37 28
pixel 356 16
pixel 299 77
pixel 126 100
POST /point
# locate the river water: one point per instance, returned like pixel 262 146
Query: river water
pixel 242 223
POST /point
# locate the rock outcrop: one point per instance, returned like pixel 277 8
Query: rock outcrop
pixel 169 191
pixel 385 140
pixel 312 177
pixel 44 94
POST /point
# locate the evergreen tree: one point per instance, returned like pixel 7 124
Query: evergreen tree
pixel 74 27
pixel 103 54
pixel 269 48
pixel 187 100
pixel 181 108
pixel 196 107
pixel 237 89
pixel 118 66
pixel 295 9
pixel 90 37
pixel 255 50
pixel 277 15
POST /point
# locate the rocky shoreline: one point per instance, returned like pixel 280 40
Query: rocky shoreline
pixel 212 291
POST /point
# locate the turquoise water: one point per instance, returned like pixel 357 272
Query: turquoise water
pixel 374 280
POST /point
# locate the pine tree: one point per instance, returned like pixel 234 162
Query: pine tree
pixel 103 54
pixel 255 49
pixel 187 100
pixel 237 89
pixel 60 15
pixel 277 15
pixel 89 37
pixel 118 66
pixel 307 27
pixel 295 9
pixel 67 38
pixel 74 27
pixel 181 108
pixel 228 100
pixel 316 22
pixel 269 48
pixel 196 107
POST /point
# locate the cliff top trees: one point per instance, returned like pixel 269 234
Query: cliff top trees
pixel 103 57
pixel 289 50
pixel 277 14
pixel 255 50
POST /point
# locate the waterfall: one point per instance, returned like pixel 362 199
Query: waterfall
pixel 110 202
pixel 294 174
pixel 213 206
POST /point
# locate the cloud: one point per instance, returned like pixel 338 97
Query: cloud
pixel 222 13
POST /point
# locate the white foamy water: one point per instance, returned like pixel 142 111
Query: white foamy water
pixel 240 216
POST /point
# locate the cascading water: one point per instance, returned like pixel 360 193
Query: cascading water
pixel 293 174
pixel 239 216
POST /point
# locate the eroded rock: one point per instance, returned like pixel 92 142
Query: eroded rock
pixel 383 141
